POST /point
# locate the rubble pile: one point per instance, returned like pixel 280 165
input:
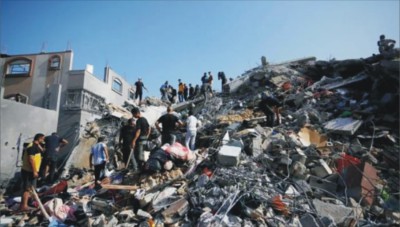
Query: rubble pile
pixel 331 159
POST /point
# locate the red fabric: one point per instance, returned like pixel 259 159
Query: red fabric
pixel 345 161
pixel 60 187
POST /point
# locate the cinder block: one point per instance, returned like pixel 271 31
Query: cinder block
pixel 229 155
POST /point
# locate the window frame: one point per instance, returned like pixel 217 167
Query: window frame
pixel 119 82
pixel 18 61
pixel 131 94
pixel 51 61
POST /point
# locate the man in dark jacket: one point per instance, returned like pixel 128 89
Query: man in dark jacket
pixel 142 133
pixel 270 106
pixel 126 134
pixel 53 143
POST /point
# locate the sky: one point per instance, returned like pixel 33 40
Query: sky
pixel 171 40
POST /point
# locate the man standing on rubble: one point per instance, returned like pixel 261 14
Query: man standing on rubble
pixel 31 160
pixel 191 91
pixel 210 82
pixel 139 90
pixel 196 91
pixel 98 158
pixel 142 133
pixel 126 135
pixel 191 131
pixel 222 77
pixel 169 126
pixel 181 88
pixel 185 92
pixel 164 90
pixel 271 107
pixel 53 143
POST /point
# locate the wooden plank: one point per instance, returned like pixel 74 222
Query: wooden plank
pixel 36 197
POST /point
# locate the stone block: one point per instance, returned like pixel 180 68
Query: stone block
pixel 337 212
pixel 229 155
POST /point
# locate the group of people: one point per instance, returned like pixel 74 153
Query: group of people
pixel 39 161
pixel 185 92
pixel 133 136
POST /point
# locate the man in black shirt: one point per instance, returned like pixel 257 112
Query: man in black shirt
pixel 270 106
pixel 222 77
pixel 191 91
pixel 126 135
pixel 139 90
pixel 169 126
pixel 142 133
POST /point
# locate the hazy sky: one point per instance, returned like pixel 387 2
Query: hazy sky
pixel 168 40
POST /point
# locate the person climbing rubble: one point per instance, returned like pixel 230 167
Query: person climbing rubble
pixel 385 45
pixel 164 91
pixel 191 131
pixel 271 107
pixel 98 159
pixel 127 132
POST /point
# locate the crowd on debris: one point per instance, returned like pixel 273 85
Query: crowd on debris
pixel 302 143
pixel 187 93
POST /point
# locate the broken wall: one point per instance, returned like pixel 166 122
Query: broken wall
pixel 19 123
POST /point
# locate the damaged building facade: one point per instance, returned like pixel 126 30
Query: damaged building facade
pixel 331 160
pixel 42 93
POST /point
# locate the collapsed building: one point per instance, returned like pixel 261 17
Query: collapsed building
pixel 332 161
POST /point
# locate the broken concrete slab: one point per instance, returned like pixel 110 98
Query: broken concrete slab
pixel 176 209
pixel 346 126
pixel 354 79
pixel 337 212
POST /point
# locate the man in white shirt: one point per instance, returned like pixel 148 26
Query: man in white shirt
pixel 191 131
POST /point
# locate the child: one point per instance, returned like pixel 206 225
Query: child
pixel 98 158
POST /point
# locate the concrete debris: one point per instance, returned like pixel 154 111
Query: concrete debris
pixel 331 157
pixel 347 126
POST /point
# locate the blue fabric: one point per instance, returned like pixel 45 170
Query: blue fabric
pixel 98 154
